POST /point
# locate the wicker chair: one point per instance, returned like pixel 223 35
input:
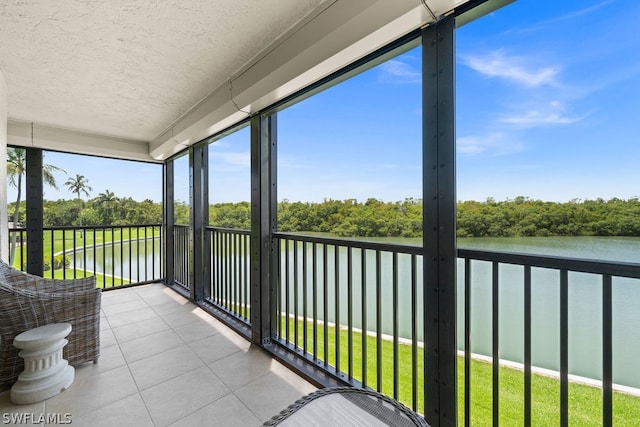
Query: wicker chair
pixel 28 301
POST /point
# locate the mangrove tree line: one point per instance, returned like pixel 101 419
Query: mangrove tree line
pixel 374 218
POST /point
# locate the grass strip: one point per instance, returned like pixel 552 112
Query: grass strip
pixel 102 281
pixel 585 401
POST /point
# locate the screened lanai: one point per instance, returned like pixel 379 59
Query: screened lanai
pixel 169 84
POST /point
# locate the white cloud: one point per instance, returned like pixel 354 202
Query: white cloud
pixel 400 72
pixel 492 144
pixel 512 68
pixel 566 17
pixel 242 160
pixel 219 144
pixel 293 162
pixel 552 113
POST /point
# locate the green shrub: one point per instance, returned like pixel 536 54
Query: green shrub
pixel 61 261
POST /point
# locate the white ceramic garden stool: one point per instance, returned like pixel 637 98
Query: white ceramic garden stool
pixel 46 373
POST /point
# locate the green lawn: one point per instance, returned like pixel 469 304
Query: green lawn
pixel 102 281
pixel 68 239
pixel 585 402
pixel 64 240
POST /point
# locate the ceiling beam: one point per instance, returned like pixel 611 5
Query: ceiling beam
pixel 23 134
pixel 335 36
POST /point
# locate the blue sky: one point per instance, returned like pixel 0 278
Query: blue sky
pixel 548 104
pixel 548 100
pixel 359 139
pixel 137 180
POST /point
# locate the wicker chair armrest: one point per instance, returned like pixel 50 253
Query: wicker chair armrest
pixel 62 286
pixel 29 308
pixel 24 280
pixel 16 278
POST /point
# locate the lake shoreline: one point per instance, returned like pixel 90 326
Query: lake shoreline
pixel 576 379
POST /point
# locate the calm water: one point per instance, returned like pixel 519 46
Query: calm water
pixel 113 260
pixel 585 306
pixel 585 300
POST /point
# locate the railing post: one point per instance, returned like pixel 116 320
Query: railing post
pixel 205 243
pixel 263 224
pixel 199 199
pixel 607 351
pixel 169 220
pixel 34 199
pixel 439 222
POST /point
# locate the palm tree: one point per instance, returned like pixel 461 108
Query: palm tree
pixel 16 168
pixel 106 201
pixel 79 185
pixel 105 198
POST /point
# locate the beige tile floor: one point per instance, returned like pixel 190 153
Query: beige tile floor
pixel 166 362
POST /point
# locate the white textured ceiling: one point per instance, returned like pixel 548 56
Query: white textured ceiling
pixel 142 79
pixel 129 68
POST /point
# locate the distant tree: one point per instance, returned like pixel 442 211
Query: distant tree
pixel 79 185
pixel 106 197
pixel 181 212
pixel 16 168
pixel 60 212
pixel 90 216
pixel 106 203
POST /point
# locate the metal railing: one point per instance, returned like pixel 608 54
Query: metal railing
pixel 181 256
pixel 355 310
pixel 115 255
pixel 529 266
pixel 229 283
pixel 17 248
